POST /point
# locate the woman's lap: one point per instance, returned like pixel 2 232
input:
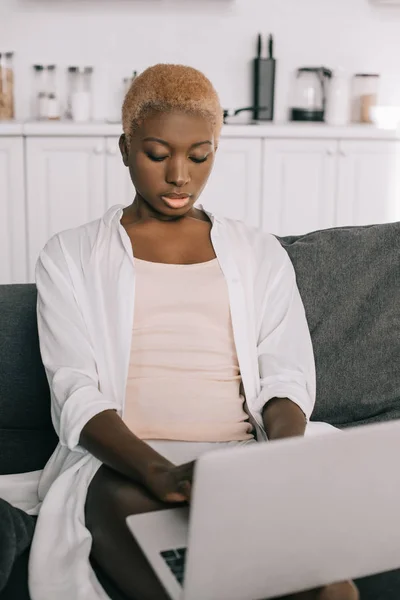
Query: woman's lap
pixel 111 497
pixel 110 500
pixel 183 452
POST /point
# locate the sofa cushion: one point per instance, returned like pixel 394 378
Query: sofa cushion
pixel 349 280
pixel 24 450
pixel 27 437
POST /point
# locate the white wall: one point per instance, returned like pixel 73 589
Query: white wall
pixel 217 36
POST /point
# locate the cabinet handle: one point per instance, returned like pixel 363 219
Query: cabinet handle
pixel 330 152
pixel 342 153
pixel 112 151
pixel 98 149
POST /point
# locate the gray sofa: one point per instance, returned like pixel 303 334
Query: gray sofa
pixel 349 279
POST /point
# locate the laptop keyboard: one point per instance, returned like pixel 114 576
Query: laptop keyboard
pixel 175 559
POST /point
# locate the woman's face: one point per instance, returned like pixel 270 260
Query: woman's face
pixel 170 159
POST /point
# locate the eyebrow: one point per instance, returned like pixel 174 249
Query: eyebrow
pixel 154 139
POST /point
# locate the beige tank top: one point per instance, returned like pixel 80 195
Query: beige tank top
pixel 184 379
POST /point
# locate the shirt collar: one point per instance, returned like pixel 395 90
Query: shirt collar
pixel 115 212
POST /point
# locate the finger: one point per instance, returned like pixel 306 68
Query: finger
pixel 175 497
pixel 185 488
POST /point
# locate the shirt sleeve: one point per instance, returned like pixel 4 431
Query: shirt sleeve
pixel 285 352
pixel 66 350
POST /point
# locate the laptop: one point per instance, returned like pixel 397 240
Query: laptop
pixel 275 518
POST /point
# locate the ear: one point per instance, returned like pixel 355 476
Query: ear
pixel 123 146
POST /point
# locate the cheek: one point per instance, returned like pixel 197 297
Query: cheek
pixel 144 173
pixel 205 170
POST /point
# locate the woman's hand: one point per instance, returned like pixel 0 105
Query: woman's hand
pixel 170 483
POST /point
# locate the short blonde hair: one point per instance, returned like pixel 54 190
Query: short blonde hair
pixel 169 88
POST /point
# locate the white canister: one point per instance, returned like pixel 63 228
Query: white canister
pixel 80 97
pixel 338 102
pixel 81 109
pixel 42 110
pixel 53 107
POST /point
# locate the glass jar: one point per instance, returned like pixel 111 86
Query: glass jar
pixel 364 96
pixel 70 86
pixel 6 86
pixel 80 93
pixel 53 104
pixel 39 97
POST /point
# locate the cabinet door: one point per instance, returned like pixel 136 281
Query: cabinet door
pixel 119 189
pixel 234 187
pixel 299 185
pixel 65 187
pixel 369 182
pixel 12 211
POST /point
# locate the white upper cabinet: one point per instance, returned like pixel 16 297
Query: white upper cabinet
pixel 66 187
pixel 234 187
pixel 299 185
pixel 368 182
pixel 12 211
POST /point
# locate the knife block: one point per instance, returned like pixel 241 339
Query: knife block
pixel 264 88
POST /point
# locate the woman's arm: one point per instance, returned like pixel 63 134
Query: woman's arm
pixel 285 353
pixel 66 349
pixel 108 438
pixel 282 418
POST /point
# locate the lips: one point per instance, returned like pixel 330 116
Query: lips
pixel 176 200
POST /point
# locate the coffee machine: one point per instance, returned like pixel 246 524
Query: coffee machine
pixel 309 94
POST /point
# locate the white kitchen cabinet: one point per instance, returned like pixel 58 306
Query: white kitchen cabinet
pixel 12 211
pixel 368 182
pixel 299 185
pixel 234 187
pixel 66 187
pixel 119 187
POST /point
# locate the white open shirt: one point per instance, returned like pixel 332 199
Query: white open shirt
pixel 86 289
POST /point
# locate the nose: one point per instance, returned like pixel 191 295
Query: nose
pixel 177 172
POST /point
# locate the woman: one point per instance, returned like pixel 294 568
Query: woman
pixel 165 331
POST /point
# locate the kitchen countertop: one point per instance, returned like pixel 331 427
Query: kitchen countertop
pixel 10 128
pixel 258 130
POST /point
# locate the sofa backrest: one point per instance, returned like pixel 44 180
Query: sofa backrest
pixel 27 437
pixel 349 280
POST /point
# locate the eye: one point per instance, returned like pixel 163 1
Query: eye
pixel 198 160
pixel 156 158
